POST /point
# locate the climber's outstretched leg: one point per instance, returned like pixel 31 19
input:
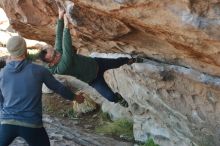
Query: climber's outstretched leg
pixel 101 86
pixel 110 63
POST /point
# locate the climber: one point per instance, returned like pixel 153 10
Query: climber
pixel 20 96
pixel 63 60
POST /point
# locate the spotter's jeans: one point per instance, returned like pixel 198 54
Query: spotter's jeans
pixel 33 136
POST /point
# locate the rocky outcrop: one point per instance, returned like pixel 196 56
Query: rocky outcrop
pixel 175 105
pixel 174 96
pixel 183 32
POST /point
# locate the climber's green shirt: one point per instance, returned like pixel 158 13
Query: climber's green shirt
pixel 81 67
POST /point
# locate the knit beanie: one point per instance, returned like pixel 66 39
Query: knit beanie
pixel 16 46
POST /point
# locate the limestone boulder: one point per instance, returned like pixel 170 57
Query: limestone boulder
pixel 174 95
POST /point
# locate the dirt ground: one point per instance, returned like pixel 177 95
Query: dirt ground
pixel 56 106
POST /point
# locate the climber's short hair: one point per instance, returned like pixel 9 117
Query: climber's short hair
pixel 42 55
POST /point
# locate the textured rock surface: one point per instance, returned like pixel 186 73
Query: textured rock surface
pixel 183 32
pixel 176 98
pixel 62 135
pixel 175 105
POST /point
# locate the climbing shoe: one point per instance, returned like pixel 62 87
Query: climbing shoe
pixel 138 60
pixel 121 100
pixel 135 60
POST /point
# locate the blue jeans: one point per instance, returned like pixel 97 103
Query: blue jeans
pixel 99 83
pixel 33 136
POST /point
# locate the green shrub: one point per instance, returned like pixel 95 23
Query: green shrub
pixel 70 113
pixel 120 127
pixel 104 117
pixel 150 142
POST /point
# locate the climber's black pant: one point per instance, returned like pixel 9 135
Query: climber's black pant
pixel 33 136
pixel 99 83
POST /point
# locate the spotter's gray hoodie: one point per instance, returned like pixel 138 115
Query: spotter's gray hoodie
pixel 21 91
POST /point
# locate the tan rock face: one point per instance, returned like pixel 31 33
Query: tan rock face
pixel 32 19
pixel 184 33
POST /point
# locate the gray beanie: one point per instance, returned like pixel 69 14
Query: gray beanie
pixel 16 46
